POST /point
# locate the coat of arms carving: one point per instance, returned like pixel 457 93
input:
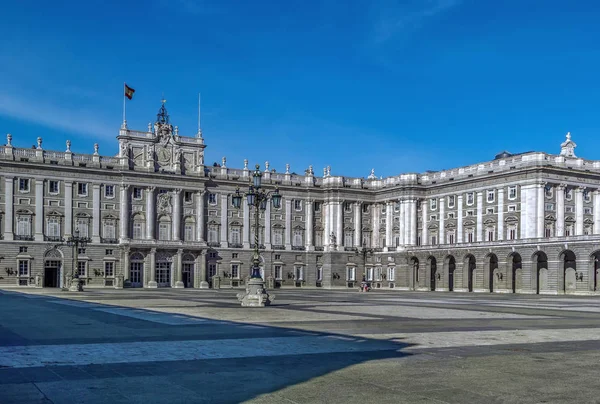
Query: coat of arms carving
pixel 164 203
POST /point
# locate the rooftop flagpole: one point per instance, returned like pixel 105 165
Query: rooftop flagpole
pixel 124 120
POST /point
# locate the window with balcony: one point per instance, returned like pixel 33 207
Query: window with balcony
pixel 351 273
pixel 433 203
pixel 297 238
pixel 164 229
pixel 212 198
pixel 53 228
pixel 83 226
pixel 109 191
pixel 234 236
pixel 189 230
pixel 470 198
pixel 109 269
pixel 23 267
pixel 451 201
pixel 23 226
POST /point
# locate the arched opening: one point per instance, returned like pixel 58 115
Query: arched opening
pixel 516 268
pixel 433 273
pixel 164 266
pixel 541 277
pixel 451 269
pixel 470 265
pixel 136 270
pixel 569 271
pixel 596 265
pixel 52 268
pixel 493 270
pixel 414 264
pixel 188 264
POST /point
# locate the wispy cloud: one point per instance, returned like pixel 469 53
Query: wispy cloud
pixel 394 20
pixel 73 120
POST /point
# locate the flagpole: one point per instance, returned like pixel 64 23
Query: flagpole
pixel 124 120
pixel 199 112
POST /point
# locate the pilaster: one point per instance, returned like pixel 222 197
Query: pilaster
pixel 579 211
pixel 479 229
pixel 123 212
pixel 424 231
pixel 152 279
pixel 96 213
pixel 178 268
pixel 150 213
pixel 459 219
pixel 288 224
pixel 224 218
pixel 9 208
pixel 39 209
pixel 500 214
pixel 177 214
pixel 69 209
pixel 442 231
pixel 560 209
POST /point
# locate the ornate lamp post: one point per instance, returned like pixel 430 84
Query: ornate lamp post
pixel 364 251
pixel 75 242
pixel 256 295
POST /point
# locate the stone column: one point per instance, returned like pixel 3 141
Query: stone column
pixel 579 211
pixel 69 208
pixel 95 213
pixel 459 219
pixel 179 268
pixel 560 209
pixel 125 264
pixel 308 205
pixel 224 239
pixel 268 227
pixel 200 216
pixel 340 224
pixel 442 232
pixel 200 268
pixel 424 232
pixel 413 221
pixel 288 224
pixel 357 224
pixel 39 210
pixel 479 216
pixel 389 222
pixel 375 215
pixel 326 224
pixel 540 209
pixel 177 215
pixel 123 210
pixel 152 281
pixel 500 214
pixel 246 226
pixel 531 202
pixel 596 211
pixel 402 224
pixel 523 219
pixel 150 213
pixel 8 207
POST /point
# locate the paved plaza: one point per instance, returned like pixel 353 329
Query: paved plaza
pixel 311 346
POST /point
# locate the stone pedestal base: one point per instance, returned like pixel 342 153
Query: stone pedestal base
pixel 152 285
pixel 255 294
pixel 76 285
pixel 204 285
pixel 179 285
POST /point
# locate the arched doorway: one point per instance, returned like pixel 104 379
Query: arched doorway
pixel 470 265
pixel 164 266
pixel 569 271
pixel 414 264
pixel 493 268
pixel 136 270
pixel 516 267
pixel 52 268
pixel 451 269
pixel 187 270
pixel 433 273
pixel 541 277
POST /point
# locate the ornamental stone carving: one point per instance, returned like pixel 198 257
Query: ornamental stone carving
pixel 164 203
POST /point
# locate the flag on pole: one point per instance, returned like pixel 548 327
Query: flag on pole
pixel 129 92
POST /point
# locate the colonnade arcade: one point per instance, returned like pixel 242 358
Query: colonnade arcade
pixel 515 272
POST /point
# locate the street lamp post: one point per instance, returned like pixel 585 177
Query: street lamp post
pixel 256 294
pixel 364 251
pixel 75 242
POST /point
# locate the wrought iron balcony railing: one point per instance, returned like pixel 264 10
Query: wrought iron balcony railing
pixel 109 240
pixel 23 237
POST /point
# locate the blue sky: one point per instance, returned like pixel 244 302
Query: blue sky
pixel 399 86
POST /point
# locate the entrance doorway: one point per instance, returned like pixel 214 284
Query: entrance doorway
pixel 433 271
pixel 470 271
pixel 51 273
pixel 493 267
pixel 451 269
pixel 516 267
pixel 163 274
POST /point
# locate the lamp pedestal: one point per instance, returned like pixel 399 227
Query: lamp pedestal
pixel 76 285
pixel 255 294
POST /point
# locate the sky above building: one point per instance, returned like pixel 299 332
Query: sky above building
pixel 398 86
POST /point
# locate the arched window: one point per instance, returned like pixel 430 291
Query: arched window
pixel 138 227
pixel 189 227
pixel 164 228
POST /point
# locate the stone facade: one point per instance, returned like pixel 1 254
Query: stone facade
pixel 156 215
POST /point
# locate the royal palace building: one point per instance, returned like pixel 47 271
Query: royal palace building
pixel 156 215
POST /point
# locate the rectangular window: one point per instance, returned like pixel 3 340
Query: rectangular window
pixel 365 208
pixel 297 240
pixel 391 274
pixel 433 204
pixel 433 240
pixel 235 271
pixel 432 217
pixel 22 249
pixel 348 239
pixel 137 193
pixel 491 195
pixel 188 232
pixel 108 251
pixel 278 257
pixel 490 235
pixel 213 234
pixel 451 238
pixel 23 267
pixel 351 273
pixel 377 274
pixel 138 231
pixel 109 269
pixel 82 226
pixel 550 206
pixel 319 274
pixel 81 251
pixel 278 272
pixel 587 211
pixel 235 235
pixel 53 187
pixel 297 204
pixel 370 274
pixel 512 234
pixel 212 198
pixel 512 208
pixel 451 201
pixel 451 215
pixel 317 206
pixel 568 231
pixel 24 225
pixel 470 198
pixel 82 188
pixel 278 237
pixel 163 230
pixel 299 273
pixel 569 209
pixel 109 191
pixel 53 229
pixel 188 197
pixel 212 270
pixel 24 184
pixel 489 211
pixel 470 237
pixel 548 232
pixel 470 213
pixel 512 193
pixel 81 268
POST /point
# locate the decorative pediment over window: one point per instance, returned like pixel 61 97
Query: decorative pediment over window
pixel 136 256
pixel 366 229
pixel 432 226
pixel 468 223
pixel 489 222
pixel 396 228
pixel 278 226
pixel 588 221
pixel 298 227
pixel 236 224
pixel 24 212
pixel 54 213
pixel 570 219
pixel 450 225
pixel 318 228
pixel 550 218
pixel 511 219
pixel 188 258
pixel 53 253
pixel 163 256
pixel 83 215
pixel 214 223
